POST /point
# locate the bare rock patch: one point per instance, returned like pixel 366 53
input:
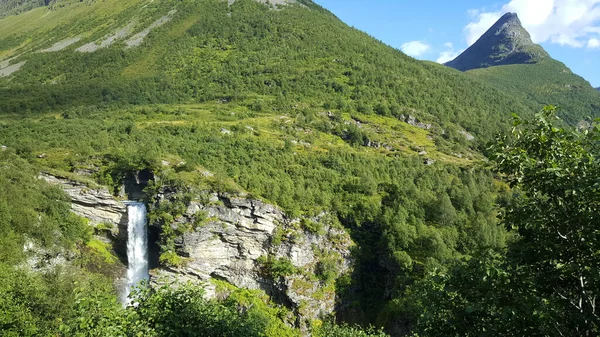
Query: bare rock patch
pixel 60 45
pixel 10 69
pixel 108 41
pixel 138 38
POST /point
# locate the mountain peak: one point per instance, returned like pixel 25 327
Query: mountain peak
pixel 510 26
pixel 509 16
pixel 506 42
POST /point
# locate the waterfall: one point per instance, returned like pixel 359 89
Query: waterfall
pixel 137 247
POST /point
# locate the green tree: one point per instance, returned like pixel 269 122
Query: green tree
pixel 555 172
pixel 546 283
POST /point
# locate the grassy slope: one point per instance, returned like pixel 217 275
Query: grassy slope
pixel 243 53
pixel 546 82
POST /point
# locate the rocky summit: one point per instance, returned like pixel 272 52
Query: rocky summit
pixel 506 42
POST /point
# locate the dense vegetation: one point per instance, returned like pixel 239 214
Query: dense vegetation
pixel 431 256
pixel 62 283
pixel 296 108
pixel 546 82
pixel 243 53
pixel 545 282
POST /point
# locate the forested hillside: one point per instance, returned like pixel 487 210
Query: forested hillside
pixel 546 82
pixel 506 58
pixel 285 105
pixel 243 53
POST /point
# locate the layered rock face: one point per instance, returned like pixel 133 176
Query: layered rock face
pixel 95 204
pixel 239 236
pixel 237 241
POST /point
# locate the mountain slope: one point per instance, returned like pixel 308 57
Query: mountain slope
pixel 506 42
pixel 506 58
pixel 244 52
pixel 8 7
pixel 282 103
pixel 546 82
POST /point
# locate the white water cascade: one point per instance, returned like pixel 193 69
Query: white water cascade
pixel 137 247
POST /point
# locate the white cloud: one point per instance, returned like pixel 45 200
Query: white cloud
pixel 415 48
pixel 449 54
pixel 473 12
pixel 593 44
pixel 475 29
pixel 563 22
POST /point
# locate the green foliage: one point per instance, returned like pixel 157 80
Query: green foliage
pixel 545 283
pixel 170 258
pixel 556 171
pixel 102 249
pixel 311 226
pixel 258 307
pixel 34 303
pixel 36 295
pixel 276 268
pixel 164 213
pixel 214 52
pixel 33 211
pixel 332 330
pixel 105 226
pixel 96 312
pixel 546 82
pixel 200 219
pixel 182 311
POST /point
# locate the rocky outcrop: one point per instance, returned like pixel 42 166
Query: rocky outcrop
pixel 241 236
pixel 235 239
pixel 411 120
pixel 97 205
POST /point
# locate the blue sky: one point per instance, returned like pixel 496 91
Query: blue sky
pixel 437 30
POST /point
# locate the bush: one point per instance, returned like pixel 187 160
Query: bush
pixel 276 267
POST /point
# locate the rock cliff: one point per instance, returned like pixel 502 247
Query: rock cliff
pixel 97 205
pixel 243 241
pixel 240 241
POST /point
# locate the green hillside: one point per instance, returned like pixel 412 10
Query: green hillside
pixel 279 102
pixel 546 82
pixel 8 7
pixel 243 54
